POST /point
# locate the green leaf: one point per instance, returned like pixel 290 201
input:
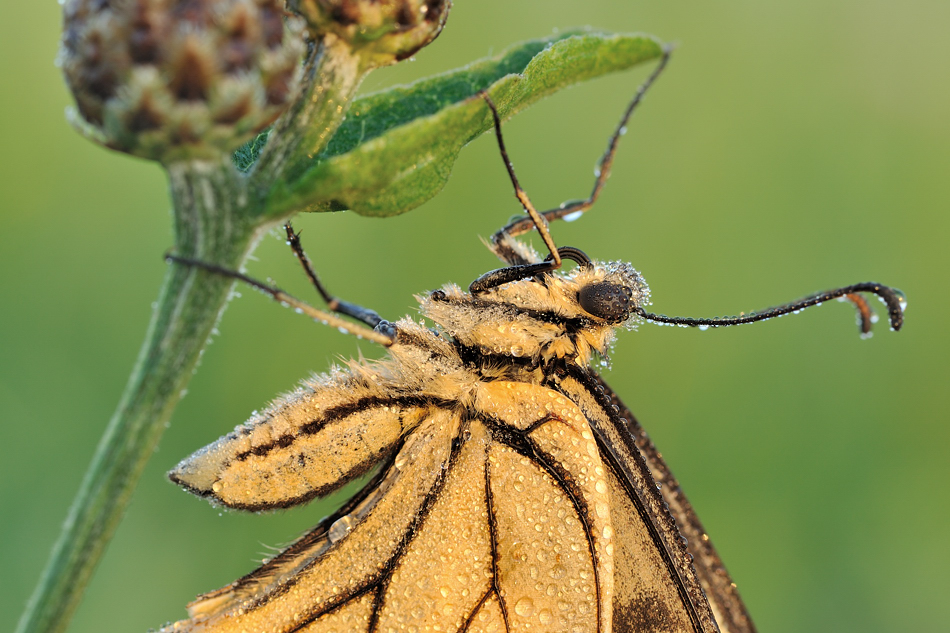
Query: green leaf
pixel 246 155
pixel 396 148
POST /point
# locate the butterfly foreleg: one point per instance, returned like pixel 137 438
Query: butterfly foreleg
pixel 375 329
pixel 510 250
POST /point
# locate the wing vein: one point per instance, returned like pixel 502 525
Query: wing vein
pixel 527 448
pixel 471 616
pixel 409 535
pixel 493 533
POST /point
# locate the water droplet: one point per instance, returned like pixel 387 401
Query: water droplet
pixel 340 528
pixel 572 217
pixel 901 299
pixel 545 616
pixel 525 607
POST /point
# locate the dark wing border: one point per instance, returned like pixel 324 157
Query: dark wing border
pixel 622 455
pixel 720 590
pixel 713 575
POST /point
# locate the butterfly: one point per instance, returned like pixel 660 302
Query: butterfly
pixel 510 488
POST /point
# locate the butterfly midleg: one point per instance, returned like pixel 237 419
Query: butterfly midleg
pixel 335 304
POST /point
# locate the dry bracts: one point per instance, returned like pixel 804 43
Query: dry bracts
pixel 166 79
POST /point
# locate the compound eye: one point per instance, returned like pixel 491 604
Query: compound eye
pixel 611 302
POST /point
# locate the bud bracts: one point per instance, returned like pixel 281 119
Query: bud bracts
pixel 380 31
pixel 169 79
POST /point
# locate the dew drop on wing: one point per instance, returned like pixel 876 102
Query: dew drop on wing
pixel 571 217
pixel 340 528
pixel 703 328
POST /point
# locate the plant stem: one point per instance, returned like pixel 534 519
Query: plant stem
pixel 209 226
pixel 333 73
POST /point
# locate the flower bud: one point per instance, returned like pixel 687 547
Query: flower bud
pixel 174 79
pixel 380 31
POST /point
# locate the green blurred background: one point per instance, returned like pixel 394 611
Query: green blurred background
pixel 790 147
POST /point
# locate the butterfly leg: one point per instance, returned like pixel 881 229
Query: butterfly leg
pixel 358 312
pixel 384 334
pixel 519 270
pixel 502 242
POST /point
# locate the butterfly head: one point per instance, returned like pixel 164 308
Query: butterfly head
pixel 549 317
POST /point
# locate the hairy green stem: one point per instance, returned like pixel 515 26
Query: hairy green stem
pixel 190 303
pixel 333 75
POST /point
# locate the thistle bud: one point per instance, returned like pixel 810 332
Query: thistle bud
pixel 380 31
pixel 173 79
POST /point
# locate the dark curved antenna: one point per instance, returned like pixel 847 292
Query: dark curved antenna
pixel 892 298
